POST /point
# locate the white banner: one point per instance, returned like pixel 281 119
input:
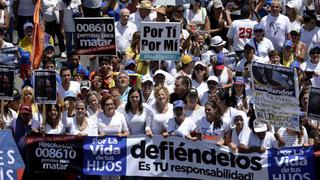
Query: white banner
pixel 178 157
pixel 160 41
pixel 276 95
pixel 164 157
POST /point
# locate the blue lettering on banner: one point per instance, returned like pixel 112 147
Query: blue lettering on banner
pixel 11 163
pixel 291 163
pixel 104 156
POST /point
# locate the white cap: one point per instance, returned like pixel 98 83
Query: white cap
pixel 26 25
pixel 259 126
pixel 291 4
pixel 160 71
pixel 213 78
pixel 146 78
pixel 200 63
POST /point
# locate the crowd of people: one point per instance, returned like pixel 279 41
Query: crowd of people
pixel 207 95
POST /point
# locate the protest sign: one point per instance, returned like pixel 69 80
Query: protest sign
pixel 6 82
pixel 95 36
pixel 173 157
pixel 291 163
pixel 11 163
pixel 276 95
pixel 54 153
pixel 45 86
pixel 314 104
pixel 160 41
pixel 104 156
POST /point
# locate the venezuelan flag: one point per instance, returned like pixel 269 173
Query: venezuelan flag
pixel 38 37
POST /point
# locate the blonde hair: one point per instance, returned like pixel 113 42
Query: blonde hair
pixel 166 92
pixel 24 91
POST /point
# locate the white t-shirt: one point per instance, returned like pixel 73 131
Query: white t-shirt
pixel 305 36
pixel 207 56
pixel 240 65
pixel 201 88
pixel 309 66
pixel 26 8
pixel 8 119
pixel 124 35
pixel 91 130
pixel 264 47
pixel 158 121
pixel 185 128
pixel 275 29
pixel 292 140
pixel 68 22
pixel 196 18
pixel 195 115
pixel 209 132
pixel 136 19
pixel 111 125
pixel 241 31
pixel 60 129
pixel 139 123
pixel 48 8
pixel 235 138
pixel 253 140
pixel 227 118
pixel 74 87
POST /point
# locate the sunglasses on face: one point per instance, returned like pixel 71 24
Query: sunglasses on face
pixel 200 69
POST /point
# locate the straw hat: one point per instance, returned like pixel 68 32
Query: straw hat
pixel 161 10
pixel 145 5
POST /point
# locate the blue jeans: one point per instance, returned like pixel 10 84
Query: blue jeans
pixel 70 43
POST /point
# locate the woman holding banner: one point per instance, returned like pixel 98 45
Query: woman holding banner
pixel 53 123
pixel 81 124
pixel 110 121
pixel 222 99
pixel 192 109
pixel 238 132
pixel 138 115
pixel 211 128
pixel 162 109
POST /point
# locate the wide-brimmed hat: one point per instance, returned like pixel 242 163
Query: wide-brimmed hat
pixel 217 41
pixel 145 5
pixel 259 126
pixel 161 10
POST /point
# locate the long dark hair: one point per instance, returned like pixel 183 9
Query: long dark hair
pixel 224 96
pixel 48 108
pixel 129 105
pixel 217 122
pixel 233 99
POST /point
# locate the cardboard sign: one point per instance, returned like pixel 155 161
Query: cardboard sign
pixel 276 95
pixel 6 82
pixel 95 36
pixel 45 86
pixel 160 41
